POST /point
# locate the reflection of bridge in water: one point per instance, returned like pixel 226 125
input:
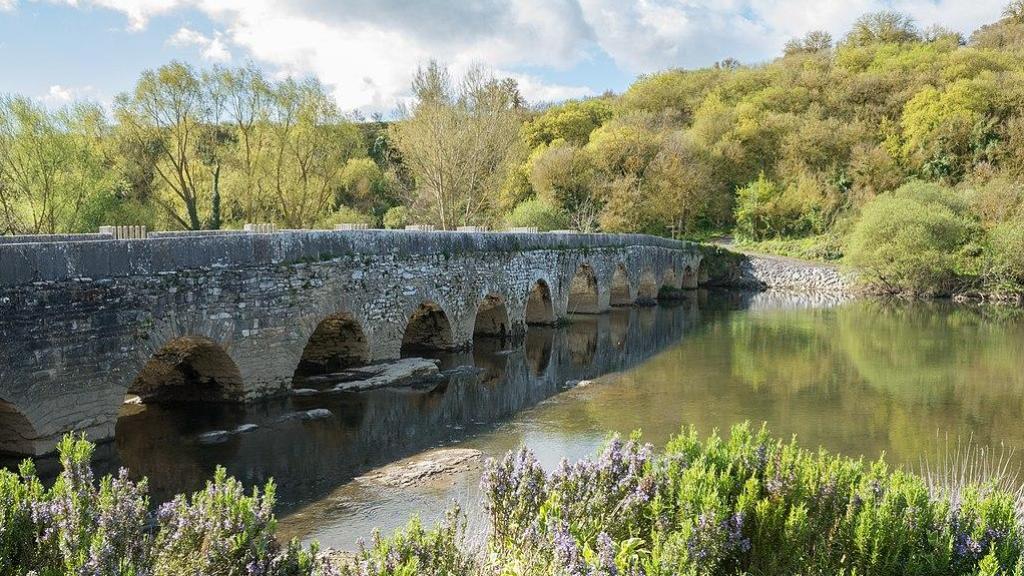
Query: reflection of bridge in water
pixel 308 458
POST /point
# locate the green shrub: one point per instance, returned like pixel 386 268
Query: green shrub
pixel 765 209
pixel 537 212
pixel 396 218
pixel 1007 254
pixel 345 215
pixel 919 239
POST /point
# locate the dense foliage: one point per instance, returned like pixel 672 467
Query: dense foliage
pixel 745 505
pixel 83 527
pixel 791 155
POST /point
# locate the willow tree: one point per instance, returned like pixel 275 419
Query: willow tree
pixel 456 141
pixel 309 144
pixel 51 164
pixel 166 114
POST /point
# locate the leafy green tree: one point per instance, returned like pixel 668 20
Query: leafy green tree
pixel 50 165
pixel 884 27
pixel 457 141
pixel 563 177
pixel 571 122
pixel 167 111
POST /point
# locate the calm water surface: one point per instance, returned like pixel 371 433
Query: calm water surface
pixel 859 378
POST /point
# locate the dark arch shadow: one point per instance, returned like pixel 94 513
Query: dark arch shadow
pixel 492 318
pixel 620 287
pixel 337 343
pixel 17 435
pixel 428 330
pixel 647 293
pixel 582 335
pixel 583 291
pixel 691 278
pixel 189 369
pixel 539 309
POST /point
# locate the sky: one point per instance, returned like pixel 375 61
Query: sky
pixel 366 51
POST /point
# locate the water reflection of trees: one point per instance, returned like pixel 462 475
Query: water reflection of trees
pixel 865 376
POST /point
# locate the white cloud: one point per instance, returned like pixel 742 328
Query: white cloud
pixel 8 5
pixel 59 95
pixel 367 50
pixel 648 35
pixel 211 48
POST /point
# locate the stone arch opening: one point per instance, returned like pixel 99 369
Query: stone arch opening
pixel 189 369
pixel 539 309
pixel 492 318
pixel 583 291
pixel 620 287
pixel 17 435
pixel 691 277
pixel 428 329
pixel 647 293
pixel 337 343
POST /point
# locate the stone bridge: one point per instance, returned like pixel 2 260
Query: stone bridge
pixel 234 317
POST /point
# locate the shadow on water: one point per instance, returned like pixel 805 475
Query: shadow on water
pixel 312 444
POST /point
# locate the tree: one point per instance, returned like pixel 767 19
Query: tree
pixel 168 110
pixel 812 43
pixel 457 141
pixel 884 27
pixel 308 145
pixel 50 163
pixel 247 103
pixel 563 178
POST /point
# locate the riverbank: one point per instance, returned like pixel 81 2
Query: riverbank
pixel 732 268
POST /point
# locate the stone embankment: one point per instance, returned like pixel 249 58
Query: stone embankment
pixel 791 275
pixel 728 268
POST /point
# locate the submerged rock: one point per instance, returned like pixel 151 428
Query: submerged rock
pixel 245 428
pixel 316 414
pixel 305 392
pixel 404 372
pixel 423 467
pixel 213 437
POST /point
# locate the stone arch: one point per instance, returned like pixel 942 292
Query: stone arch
pixel 338 342
pixel 492 317
pixel 670 279
pixel 189 369
pixel 647 293
pixel 17 434
pixel 428 329
pixel 691 276
pixel 539 307
pixel 622 292
pixel 583 291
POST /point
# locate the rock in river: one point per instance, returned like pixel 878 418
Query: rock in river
pixel 423 467
pixel 404 372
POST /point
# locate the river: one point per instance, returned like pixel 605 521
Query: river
pixel 856 377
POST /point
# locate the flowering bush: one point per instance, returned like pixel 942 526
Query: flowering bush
pixel 746 505
pixel 81 527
